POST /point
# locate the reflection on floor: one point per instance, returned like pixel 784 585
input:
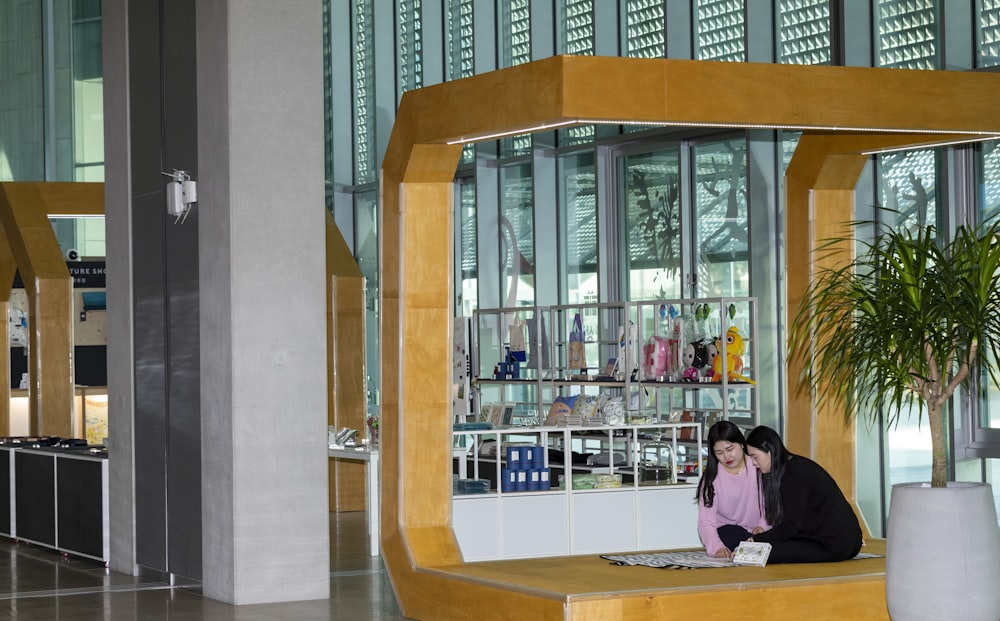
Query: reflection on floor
pixel 35 583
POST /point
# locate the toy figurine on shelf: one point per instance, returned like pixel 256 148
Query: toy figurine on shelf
pixel 372 422
pixel 712 349
pixel 655 355
pixel 695 359
pixel 674 341
pixel 732 363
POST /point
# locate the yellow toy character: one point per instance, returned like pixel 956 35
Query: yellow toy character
pixel 732 364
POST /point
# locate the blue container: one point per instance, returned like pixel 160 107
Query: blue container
pixel 534 478
pixel 515 457
pixel 521 483
pixel 508 480
pixel 528 457
pixel 538 455
pixel 544 479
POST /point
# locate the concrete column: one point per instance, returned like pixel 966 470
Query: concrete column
pixel 265 521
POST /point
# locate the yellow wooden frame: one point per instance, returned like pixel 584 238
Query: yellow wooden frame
pixel 844 112
pixel 31 247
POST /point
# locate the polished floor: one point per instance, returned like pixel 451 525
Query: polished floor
pixel 36 583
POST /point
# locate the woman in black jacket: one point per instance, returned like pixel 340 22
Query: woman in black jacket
pixel 811 520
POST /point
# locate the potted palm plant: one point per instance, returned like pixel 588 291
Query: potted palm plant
pixel 898 329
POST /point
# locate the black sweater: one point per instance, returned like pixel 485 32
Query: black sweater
pixel 814 510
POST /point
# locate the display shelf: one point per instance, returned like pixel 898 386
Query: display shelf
pixel 483 452
pixel 637 387
pixel 576 517
pixel 655 357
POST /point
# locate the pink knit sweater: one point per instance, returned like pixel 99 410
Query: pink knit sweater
pixel 737 501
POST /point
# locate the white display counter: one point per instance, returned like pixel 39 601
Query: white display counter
pixel 370 457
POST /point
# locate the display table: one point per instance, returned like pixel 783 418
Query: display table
pixel 58 499
pixel 370 457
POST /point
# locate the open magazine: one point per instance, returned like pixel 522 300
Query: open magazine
pixel 752 553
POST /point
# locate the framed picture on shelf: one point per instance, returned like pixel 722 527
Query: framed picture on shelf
pixel 485 414
pixel 507 414
pixel 610 367
pixel 496 413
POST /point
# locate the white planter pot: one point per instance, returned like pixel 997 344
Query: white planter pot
pixel 943 553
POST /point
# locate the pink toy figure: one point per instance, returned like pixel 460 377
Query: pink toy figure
pixel 654 356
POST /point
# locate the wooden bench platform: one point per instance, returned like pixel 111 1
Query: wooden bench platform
pixel 589 588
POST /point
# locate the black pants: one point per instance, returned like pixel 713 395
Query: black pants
pixel 807 551
pixel 731 535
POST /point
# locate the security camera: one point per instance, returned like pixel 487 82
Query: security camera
pixel 72 255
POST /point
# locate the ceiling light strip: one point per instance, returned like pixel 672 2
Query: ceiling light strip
pixel 986 135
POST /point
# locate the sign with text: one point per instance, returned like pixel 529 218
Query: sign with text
pixel 86 275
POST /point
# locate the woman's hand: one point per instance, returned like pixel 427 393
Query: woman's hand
pixel 756 530
pixel 723 552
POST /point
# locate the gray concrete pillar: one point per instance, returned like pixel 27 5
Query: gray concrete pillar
pixel 265 516
pixel 217 356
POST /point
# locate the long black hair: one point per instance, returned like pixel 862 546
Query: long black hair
pixel 722 431
pixel 768 441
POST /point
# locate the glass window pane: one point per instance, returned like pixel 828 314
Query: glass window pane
pixel 458 41
pixel 909 447
pixel 84 235
pixel 363 77
pixel 575 35
pixel 575 27
pixel 86 9
pixel 721 224
pixel 87 47
pixel 993 478
pixel 907 34
pixel 517 236
pixel 410 45
pixel 907 190
pixel 366 252
pixel 651 199
pixel 720 28
pixel 515 31
pixel 988 211
pixel 907 187
pixel 645 29
pixel 466 252
pixel 515 49
pixel 22 156
pixel 989 34
pixel 989 200
pixel 804 32
pixel 459 37
pixel 578 219
pixel 88 93
pixel 645 36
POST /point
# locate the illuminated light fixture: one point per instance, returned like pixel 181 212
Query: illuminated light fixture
pixel 931 145
pixel 986 135
pixel 513 132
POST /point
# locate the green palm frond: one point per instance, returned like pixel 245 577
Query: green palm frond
pixel 902 324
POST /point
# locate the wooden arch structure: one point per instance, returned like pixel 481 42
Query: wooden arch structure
pixel 844 112
pixel 29 244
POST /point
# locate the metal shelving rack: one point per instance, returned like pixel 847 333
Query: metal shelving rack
pixel 520 524
pixel 546 375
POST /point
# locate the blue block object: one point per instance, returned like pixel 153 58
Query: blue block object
pixel 521 483
pixel 508 479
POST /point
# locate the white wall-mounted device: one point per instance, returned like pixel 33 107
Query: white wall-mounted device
pixel 182 192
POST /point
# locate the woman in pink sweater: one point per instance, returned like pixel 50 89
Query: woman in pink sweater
pixel 729 509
